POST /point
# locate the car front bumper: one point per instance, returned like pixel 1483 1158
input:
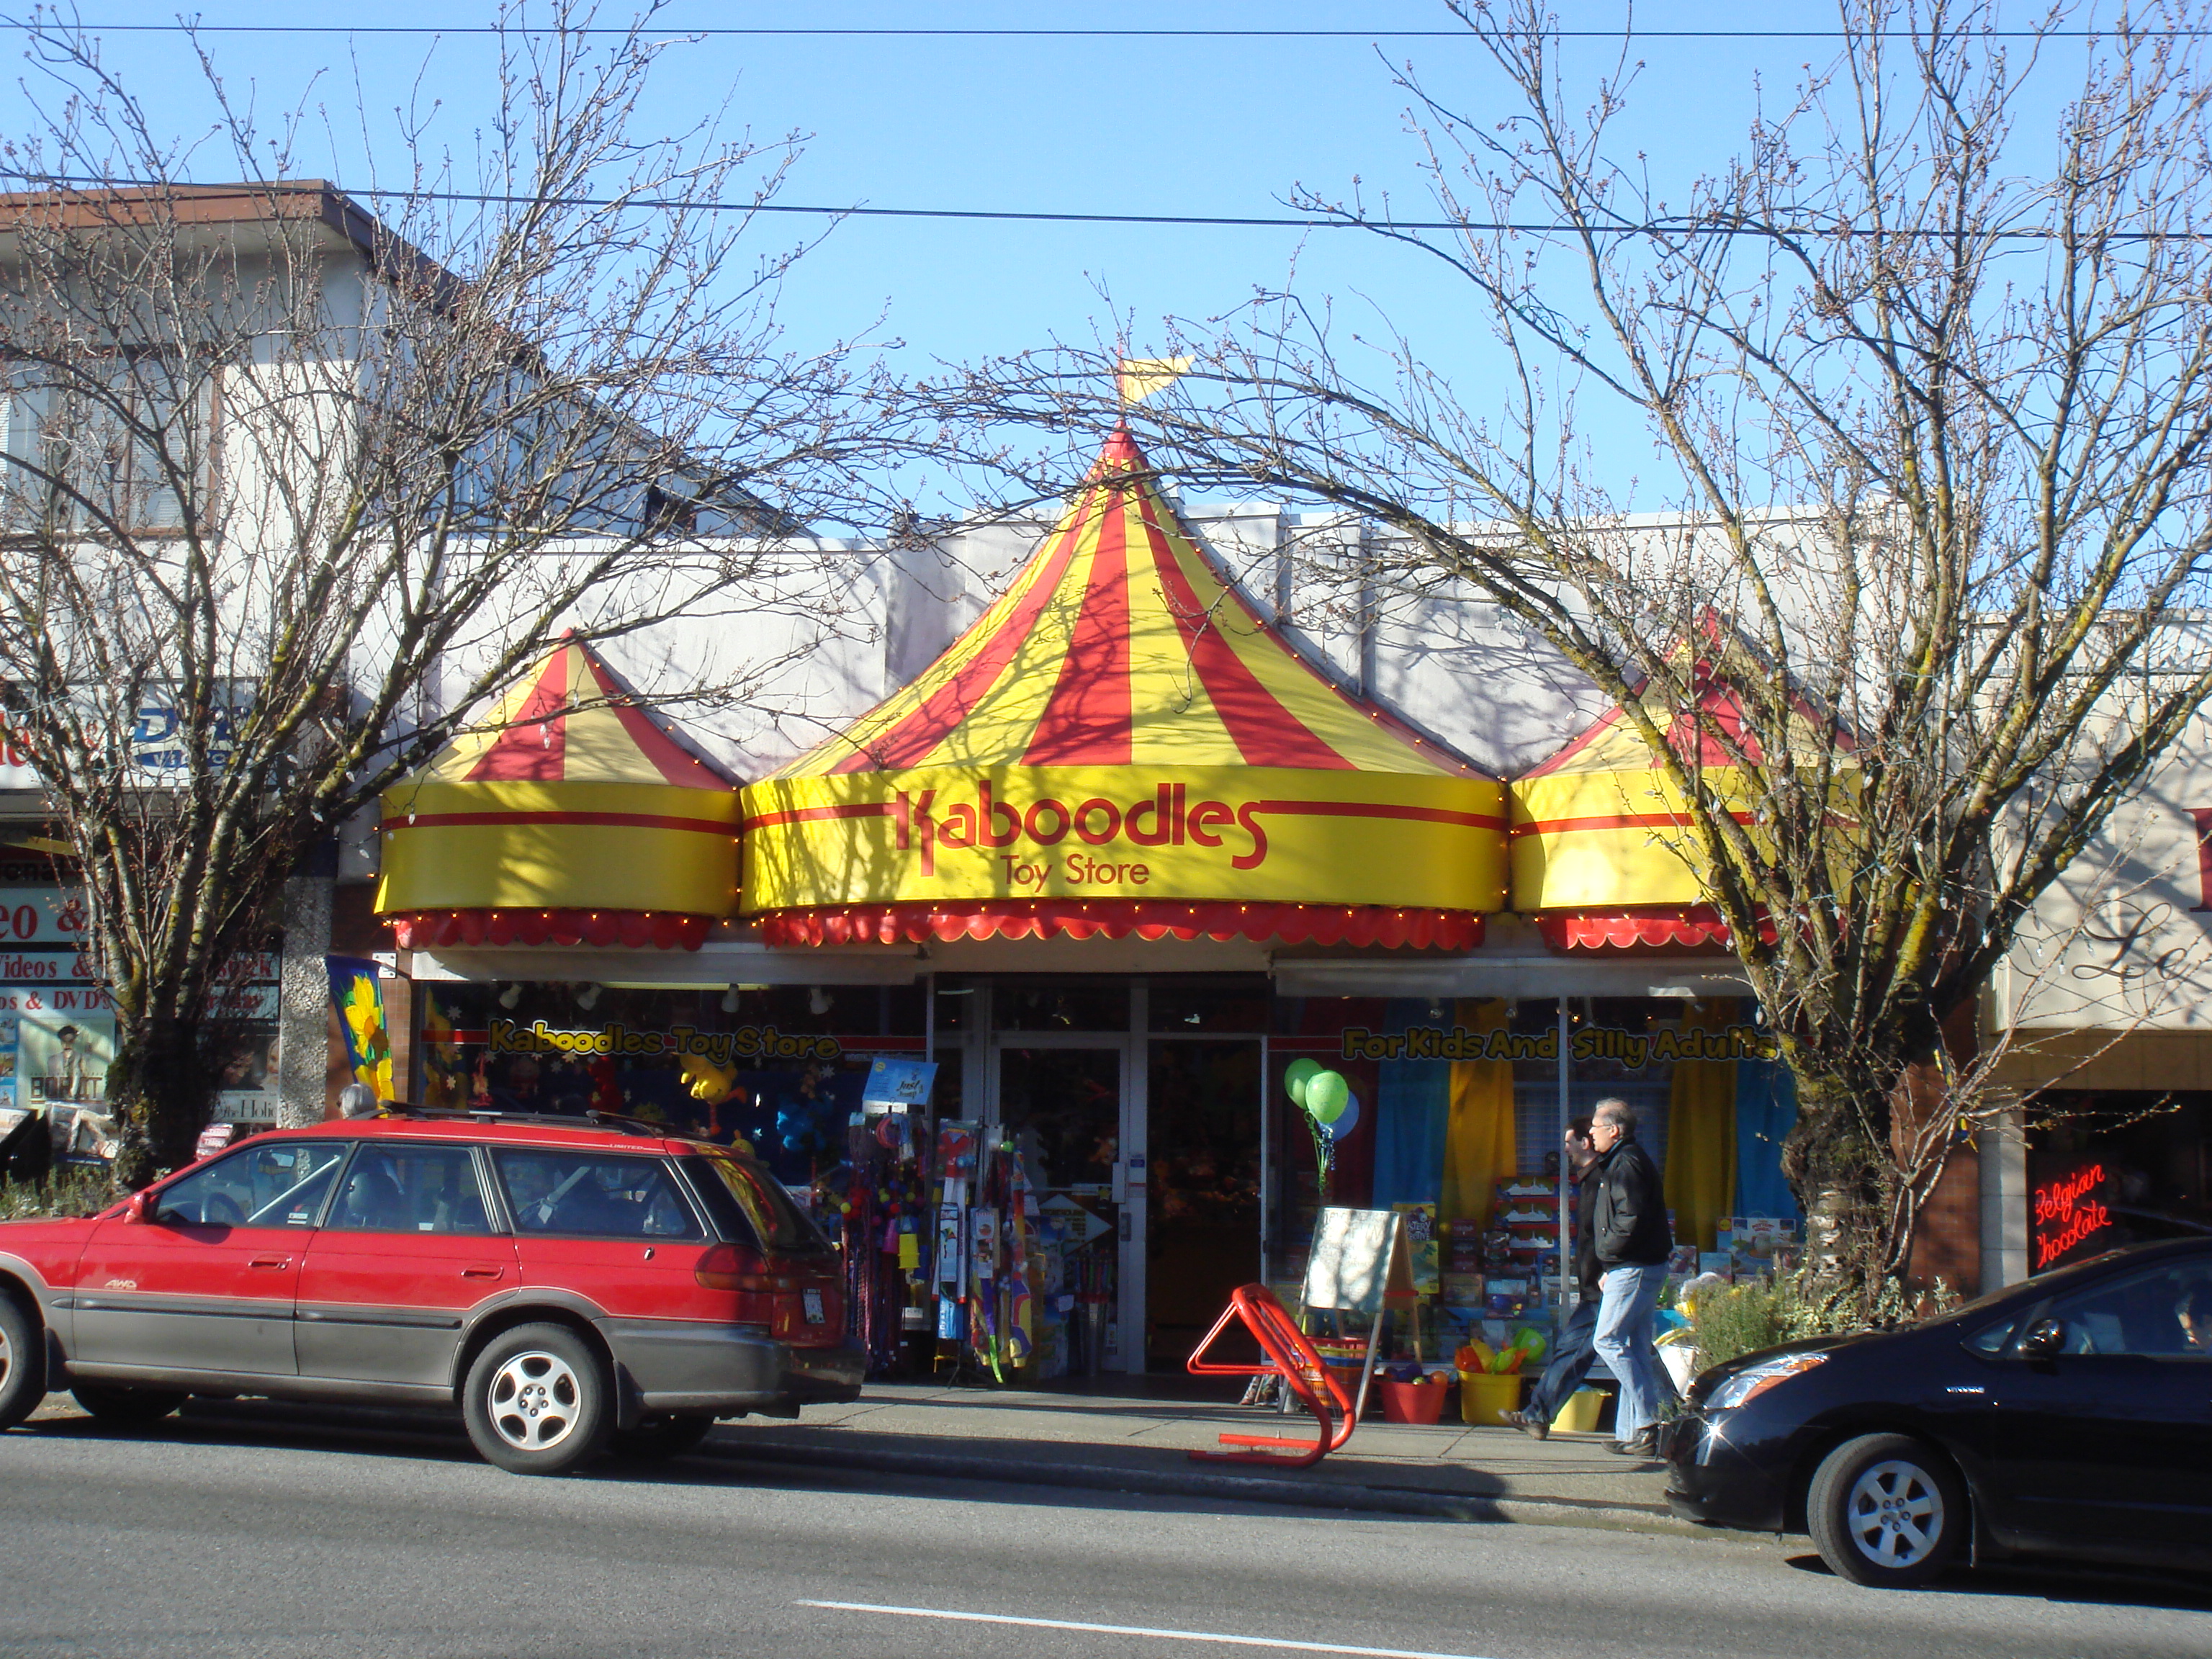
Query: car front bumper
pixel 1716 1483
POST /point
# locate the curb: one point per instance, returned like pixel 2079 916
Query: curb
pixel 743 1447
pixel 1240 1488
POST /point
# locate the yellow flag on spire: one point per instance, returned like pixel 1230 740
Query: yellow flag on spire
pixel 1139 378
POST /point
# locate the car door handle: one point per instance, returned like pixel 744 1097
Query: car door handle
pixel 483 1272
pixel 275 1263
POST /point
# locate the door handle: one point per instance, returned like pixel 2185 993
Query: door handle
pixel 482 1273
pixel 275 1263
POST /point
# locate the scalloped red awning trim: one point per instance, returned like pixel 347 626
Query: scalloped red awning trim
pixel 1147 919
pixel 661 930
pixel 1679 927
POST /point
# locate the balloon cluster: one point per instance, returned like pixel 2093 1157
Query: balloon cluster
pixel 1324 1096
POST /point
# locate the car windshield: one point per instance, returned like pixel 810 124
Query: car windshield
pixel 780 1226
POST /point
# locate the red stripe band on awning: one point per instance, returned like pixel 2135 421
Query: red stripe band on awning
pixel 871 809
pixel 1616 820
pixel 1360 809
pixel 609 820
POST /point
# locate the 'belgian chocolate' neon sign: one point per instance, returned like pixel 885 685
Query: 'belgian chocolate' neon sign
pixel 2065 1214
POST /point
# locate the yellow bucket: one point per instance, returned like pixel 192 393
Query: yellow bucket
pixel 1486 1399
pixel 1579 1414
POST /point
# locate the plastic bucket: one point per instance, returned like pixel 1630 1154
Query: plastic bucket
pixel 1581 1411
pixel 1486 1399
pixel 1411 1402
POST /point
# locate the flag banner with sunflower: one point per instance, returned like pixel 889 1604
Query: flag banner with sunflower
pixel 360 1006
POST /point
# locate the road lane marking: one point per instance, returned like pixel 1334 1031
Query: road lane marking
pixel 1280 1643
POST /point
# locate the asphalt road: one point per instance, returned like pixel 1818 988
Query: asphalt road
pixel 207 1538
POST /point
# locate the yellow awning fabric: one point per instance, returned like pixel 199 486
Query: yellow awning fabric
pixel 1602 849
pixel 571 812
pixel 1122 744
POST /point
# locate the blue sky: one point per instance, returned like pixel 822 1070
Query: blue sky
pixel 1181 126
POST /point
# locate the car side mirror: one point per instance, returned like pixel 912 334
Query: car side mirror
pixel 142 1207
pixel 2045 1340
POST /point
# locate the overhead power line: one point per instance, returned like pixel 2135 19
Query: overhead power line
pixel 723 32
pixel 84 184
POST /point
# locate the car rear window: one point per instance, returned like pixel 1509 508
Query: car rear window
pixel 594 1195
pixel 780 1225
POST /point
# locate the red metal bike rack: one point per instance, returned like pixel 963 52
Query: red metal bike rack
pixel 1293 1359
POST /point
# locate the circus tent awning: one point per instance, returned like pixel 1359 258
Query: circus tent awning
pixel 569 814
pixel 1603 850
pixel 1120 745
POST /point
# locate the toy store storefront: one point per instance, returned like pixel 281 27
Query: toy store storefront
pixel 1069 981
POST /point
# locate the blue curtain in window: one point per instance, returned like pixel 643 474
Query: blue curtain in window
pixel 1766 1111
pixel 1410 1116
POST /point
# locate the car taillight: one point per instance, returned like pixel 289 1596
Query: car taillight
pixel 727 1267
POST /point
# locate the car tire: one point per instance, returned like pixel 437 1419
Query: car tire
pixel 537 1400
pixel 662 1437
pixel 126 1408
pixel 1885 1511
pixel 22 1362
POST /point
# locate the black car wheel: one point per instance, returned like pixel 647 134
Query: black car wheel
pixel 537 1400
pixel 126 1408
pixel 22 1362
pixel 1885 1511
pixel 662 1437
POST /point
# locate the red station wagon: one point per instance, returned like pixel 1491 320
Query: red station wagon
pixel 572 1284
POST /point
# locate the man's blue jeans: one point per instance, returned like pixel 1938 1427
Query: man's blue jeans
pixel 1625 1308
pixel 1570 1362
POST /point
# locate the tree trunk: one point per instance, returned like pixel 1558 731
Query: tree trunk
pixel 158 1088
pixel 1834 1160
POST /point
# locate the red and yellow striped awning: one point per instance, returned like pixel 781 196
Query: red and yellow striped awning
pixel 571 814
pixel 1601 853
pixel 1120 745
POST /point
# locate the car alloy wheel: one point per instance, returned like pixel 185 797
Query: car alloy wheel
pixel 537 1399
pixel 1895 1515
pixel 1886 1510
pixel 533 1400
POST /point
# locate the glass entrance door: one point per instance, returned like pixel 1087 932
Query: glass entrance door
pixel 1062 1100
pixel 1204 1241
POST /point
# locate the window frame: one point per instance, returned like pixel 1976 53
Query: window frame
pixel 704 1230
pixel 257 1146
pixel 495 1217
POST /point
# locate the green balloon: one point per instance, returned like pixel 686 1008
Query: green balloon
pixel 1301 1072
pixel 1326 1096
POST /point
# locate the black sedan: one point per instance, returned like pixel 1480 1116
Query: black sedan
pixel 2069 1415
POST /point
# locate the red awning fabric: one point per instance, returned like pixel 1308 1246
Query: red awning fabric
pixel 1146 919
pixel 1675 927
pixel 636 930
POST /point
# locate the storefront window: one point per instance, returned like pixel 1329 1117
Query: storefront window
pixel 1031 1007
pixel 780 1069
pixel 1183 1008
pixel 2114 1169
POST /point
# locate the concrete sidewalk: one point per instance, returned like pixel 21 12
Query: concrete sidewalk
pixel 1137 1435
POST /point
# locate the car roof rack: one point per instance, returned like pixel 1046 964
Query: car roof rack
pixel 594 1119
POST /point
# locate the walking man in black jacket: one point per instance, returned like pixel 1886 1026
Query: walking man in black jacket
pixel 1631 1240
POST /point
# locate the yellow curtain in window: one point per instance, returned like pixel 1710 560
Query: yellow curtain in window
pixel 1479 1148
pixel 1701 1133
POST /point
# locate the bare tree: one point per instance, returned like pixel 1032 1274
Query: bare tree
pixel 288 487
pixel 1927 386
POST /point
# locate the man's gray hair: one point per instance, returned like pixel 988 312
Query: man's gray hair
pixel 1619 1111
pixel 356 1100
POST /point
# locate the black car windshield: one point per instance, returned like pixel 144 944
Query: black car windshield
pixel 780 1226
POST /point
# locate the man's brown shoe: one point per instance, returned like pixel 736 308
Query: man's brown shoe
pixel 1528 1423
